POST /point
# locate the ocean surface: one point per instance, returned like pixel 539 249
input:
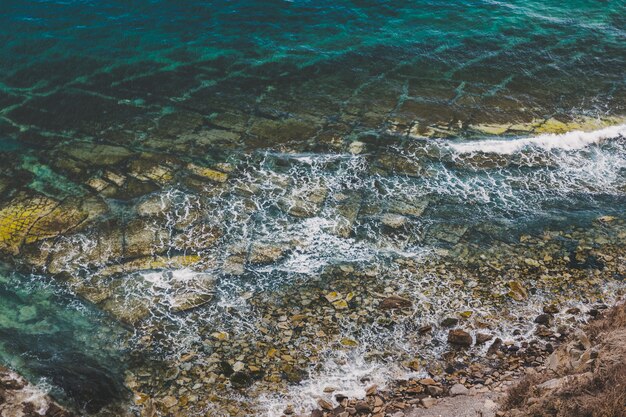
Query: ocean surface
pixel 179 180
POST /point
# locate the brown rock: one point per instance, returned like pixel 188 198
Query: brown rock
pixel 459 337
pixel 550 309
pixel 395 301
pixel 425 329
pixel 483 338
pixel 362 407
pixel 427 381
pixel 325 405
pixel 372 390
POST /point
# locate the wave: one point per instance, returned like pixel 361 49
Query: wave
pixel 567 141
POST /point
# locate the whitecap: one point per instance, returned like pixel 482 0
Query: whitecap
pixel 567 141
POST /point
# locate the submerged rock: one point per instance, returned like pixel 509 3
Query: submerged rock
pixel 395 301
pixel 517 291
pixel 305 202
pixel 30 218
pixel 96 155
pixel 483 338
pixel 395 221
pixel 266 253
pixel 208 173
pixel 193 292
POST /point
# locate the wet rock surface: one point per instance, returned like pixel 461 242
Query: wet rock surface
pixel 243 275
pixel 20 398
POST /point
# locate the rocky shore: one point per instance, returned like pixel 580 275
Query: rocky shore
pixel 19 398
pixel 243 277
pixel 583 375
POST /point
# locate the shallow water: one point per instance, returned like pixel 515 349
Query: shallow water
pixel 360 148
pixel 61 343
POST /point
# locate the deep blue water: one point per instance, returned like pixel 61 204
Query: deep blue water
pixel 430 60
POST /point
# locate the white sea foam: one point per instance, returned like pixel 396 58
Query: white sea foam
pixel 347 373
pixel 569 171
pixel 568 141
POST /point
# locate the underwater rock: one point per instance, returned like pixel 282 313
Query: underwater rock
pixel 146 170
pixel 29 218
pixel 449 322
pixel 265 132
pixel 5 183
pixel 395 301
pixel 212 175
pixel 19 215
pixel 240 380
pixel 356 147
pixel 395 221
pixel 304 202
pixel 400 164
pixel 127 309
pixel 266 253
pixel 407 207
pixel 517 291
pixel 544 319
pixel 154 205
pixel 347 206
pixel 143 237
pixel 449 233
pixel 96 155
pixel 193 292
pixel 483 338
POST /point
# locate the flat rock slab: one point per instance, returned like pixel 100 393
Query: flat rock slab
pixel 481 405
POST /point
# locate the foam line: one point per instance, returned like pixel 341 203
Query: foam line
pixel 569 141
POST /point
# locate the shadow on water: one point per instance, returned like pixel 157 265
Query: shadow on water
pixel 69 347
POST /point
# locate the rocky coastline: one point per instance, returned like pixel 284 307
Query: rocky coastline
pixel 522 383
pixel 208 265
pixel 19 398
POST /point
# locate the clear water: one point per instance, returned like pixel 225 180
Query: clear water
pixel 428 60
pixel 61 343
pixel 280 89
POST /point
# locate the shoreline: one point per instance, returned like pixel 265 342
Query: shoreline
pixel 509 388
pixel 482 288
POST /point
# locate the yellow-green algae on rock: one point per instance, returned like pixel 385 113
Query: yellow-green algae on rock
pixel 19 216
pixel 551 125
pixel 30 217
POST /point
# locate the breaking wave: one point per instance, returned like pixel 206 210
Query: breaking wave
pixel 566 141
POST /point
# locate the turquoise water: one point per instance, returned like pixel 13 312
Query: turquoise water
pixel 61 343
pixel 86 64
pixel 373 105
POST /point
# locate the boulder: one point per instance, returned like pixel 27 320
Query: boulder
pixel 459 337
pixel 394 221
pixel 458 389
pixel 306 201
pixel 266 253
